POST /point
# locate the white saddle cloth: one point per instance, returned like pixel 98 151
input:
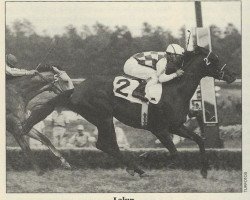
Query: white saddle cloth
pixel 123 87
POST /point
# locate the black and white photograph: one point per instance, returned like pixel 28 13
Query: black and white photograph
pixel 123 97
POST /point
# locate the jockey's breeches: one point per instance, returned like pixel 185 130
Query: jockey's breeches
pixel 132 68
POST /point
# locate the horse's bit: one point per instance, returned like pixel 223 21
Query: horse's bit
pixel 221 74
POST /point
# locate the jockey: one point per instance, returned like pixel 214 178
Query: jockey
pixel 151 66
pixel 11 70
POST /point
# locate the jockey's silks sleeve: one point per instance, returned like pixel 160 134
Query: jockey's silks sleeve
pixel 16 71
pixel 165 77
pixel 161 66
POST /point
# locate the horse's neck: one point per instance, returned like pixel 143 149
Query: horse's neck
pixel 188 86
pixel 26 88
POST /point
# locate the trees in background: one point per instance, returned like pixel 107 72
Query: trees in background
pixel 227 45
pixel 102 50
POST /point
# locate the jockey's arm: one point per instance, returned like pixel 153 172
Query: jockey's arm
pixel 18 72
pixel 164 77
pixel 161 69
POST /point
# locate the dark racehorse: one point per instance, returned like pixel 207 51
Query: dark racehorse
pixel 95 101
pixel 19 92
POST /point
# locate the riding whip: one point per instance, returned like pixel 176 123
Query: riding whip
pixel 47 54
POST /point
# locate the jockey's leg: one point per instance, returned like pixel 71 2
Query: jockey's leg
pixel 153 80
pixel 108 144
pixel 132 68
pixel 45 141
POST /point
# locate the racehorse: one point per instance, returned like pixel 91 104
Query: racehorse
pixel 19 92
pixel 94 100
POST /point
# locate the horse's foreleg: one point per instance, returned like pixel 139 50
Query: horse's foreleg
pixel 13 125
pixel 184 132
pixel 166 139
pixel 27 151
pixel 45 141
pixel 108 144
pixel 38 115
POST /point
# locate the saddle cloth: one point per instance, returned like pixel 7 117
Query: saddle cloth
pixel 123 87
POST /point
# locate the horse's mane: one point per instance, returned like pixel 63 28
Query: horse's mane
pixel 187 56
pixel 45 68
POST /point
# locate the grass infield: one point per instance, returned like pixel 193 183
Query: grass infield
pixel 189 159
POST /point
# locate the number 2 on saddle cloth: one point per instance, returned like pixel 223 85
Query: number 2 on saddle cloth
pixel 138 92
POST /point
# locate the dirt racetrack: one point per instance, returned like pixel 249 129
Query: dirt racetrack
pixel 113 181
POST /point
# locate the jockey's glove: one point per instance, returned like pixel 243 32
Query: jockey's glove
pixel 179 72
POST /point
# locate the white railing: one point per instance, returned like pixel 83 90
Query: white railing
pixel 79 80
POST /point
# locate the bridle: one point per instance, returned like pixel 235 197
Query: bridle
pixel 206 58
pixel 222 72
pixel 52 84
pixel 207 62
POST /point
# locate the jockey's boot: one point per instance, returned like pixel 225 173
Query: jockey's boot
pixel 139 92
pixel 140 96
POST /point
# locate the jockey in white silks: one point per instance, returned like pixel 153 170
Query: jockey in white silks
pixel 151 66
pixel 12 70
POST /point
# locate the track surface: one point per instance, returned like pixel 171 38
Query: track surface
pixel 111 181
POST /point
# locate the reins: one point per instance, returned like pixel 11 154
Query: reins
pixel 52 83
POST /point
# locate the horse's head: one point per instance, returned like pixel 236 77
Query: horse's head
pixel 208 63
pixel 53 79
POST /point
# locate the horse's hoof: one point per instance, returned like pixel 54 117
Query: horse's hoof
pixel 131 171
pixel 66 166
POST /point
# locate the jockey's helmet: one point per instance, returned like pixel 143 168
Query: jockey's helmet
pixel 11 60
pixel 174 52
pixel 175 49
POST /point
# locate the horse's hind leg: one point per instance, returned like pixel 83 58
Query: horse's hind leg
pixel 184 132
pixel 44 140
pixel 108 144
